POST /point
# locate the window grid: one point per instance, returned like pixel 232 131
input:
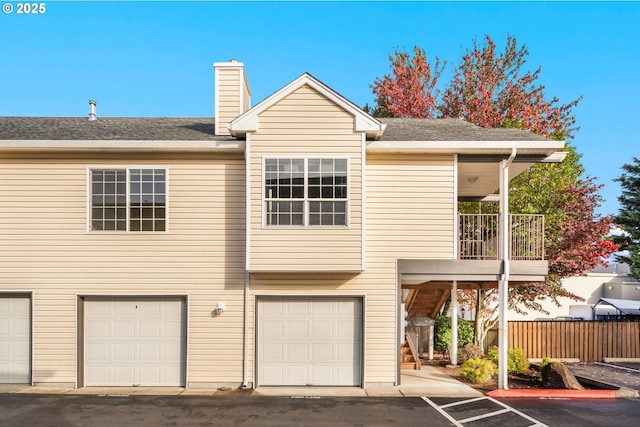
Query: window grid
pixel 128 200
pixel 306 191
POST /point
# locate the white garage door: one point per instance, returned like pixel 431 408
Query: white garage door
pixel 134 342
pixel 309 341
pixel 15 339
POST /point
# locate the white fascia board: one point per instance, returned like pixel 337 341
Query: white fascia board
pixel 122 145
pixel 466 147
pixel 248 122
pixel 556 157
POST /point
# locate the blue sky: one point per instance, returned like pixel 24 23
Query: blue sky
pixel 155 58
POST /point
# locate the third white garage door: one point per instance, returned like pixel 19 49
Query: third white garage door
pixel 309 341
pixel 134 342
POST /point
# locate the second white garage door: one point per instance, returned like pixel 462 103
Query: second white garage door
pixel 309 341
pixel 134 342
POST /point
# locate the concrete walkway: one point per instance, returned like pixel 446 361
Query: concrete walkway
pixel 427 382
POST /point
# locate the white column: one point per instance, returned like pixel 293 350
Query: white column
pixel 431 338
pixel 503 284
pixel 454 323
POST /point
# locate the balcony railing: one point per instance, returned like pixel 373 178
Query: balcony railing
pixel 479 237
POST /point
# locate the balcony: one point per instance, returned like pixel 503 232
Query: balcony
pixel 479 237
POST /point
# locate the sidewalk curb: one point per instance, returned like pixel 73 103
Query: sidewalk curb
pixel 565 394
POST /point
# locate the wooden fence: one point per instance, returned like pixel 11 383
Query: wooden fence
pixel 589 341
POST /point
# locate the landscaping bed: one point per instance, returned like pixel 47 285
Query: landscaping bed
pixel 524 381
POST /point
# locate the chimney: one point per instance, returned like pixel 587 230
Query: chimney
pixel 232 94
pixel 92 110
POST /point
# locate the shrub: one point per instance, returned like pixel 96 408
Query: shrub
pixel 442 340
pixel 469 351
pixel 477 370
pixel 516 362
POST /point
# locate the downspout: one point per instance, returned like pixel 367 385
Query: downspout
pixel 247 276
pixel 503 285
pixel 245 344
pixel 453 355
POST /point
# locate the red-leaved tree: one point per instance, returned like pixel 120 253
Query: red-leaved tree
pixel 411 89
pixel 490 89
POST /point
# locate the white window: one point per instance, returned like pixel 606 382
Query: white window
pixel 306 192
pixel 128 200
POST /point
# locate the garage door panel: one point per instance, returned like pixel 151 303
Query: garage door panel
pixel 150 329
pixel 309 341
pixel 122 375
pixel 322 352
pixel 323 308
pixel 273 373
pixel 15 339
pixel 272 352
pixel 297 374
pixel 172 329
pixel 297 328
pixel 346 351
pixel 296 352
pixel 151 375
pixel 123 329
pixel 122 352
pixel 150 352
pixel 134 342
pixel 272 328
pixel 172 352
pixel 98 352
pixel 123 308
pixel 323 328
pixel 296 308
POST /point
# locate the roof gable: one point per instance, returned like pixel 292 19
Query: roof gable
pixel 363 122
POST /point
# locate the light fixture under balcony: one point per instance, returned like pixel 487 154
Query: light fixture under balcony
pixel 472 179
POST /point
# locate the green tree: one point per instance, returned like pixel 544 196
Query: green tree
pixel 629 216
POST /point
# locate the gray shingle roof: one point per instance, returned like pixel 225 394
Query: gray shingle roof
pixel 109 128
pixel 449 130
pixel 202 129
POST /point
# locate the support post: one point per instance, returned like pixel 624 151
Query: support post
pixel 431 338
pixel 454 323
pixel 503 284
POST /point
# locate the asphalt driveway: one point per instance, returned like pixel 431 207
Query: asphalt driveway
pixel 37 410
pixel 618 375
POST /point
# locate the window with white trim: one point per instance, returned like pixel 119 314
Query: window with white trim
pixel 128 199
pixel 306 192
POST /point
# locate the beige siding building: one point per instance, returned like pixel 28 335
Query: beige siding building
pixel 277 244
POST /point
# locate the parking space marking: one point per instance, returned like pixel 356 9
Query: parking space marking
pixel 442 412
pixel 491 413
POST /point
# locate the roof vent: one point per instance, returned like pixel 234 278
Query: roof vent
pixel 92 110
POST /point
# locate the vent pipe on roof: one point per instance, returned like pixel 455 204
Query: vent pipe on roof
pixel 92 110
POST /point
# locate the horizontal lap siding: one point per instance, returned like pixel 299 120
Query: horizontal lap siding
pixel 416 222
pixel 410 207
pixel 227 86
pixel 44 248
pixel 306 124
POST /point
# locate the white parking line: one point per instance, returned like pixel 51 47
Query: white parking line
pixel 490 413
pixel 443 413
